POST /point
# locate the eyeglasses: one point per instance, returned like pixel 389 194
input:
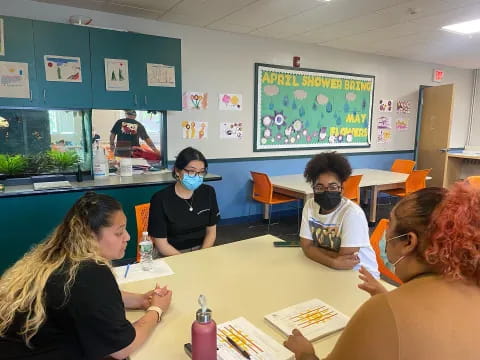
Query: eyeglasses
pixel 318 189
pixel 195 173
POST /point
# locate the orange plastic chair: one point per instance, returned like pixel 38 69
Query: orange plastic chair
pixel 415 181
pixel 473 180
pixel 351 188
pixel 263 192
pixel 403 166
pixel 141 215
pixel 375 238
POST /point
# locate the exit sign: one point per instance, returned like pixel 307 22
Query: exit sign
pixel 438 75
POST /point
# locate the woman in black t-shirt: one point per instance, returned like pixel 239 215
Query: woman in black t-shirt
pixel 184 215
pixel 61 300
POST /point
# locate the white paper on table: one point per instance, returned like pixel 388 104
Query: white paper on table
pixel 135 273
pixel 259 345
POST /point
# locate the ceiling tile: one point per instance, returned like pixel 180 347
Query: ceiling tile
pixel 203 12
pixel 264 12
pixel 158 5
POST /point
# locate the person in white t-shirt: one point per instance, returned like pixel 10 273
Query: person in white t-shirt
pixel 334 230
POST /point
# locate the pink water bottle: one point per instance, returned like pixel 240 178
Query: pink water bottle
pixel 204 333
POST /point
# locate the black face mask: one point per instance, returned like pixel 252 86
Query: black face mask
pixel 328 200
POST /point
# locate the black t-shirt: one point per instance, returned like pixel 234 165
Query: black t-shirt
pixel 90 324
pixel 128 132
pixel 170 216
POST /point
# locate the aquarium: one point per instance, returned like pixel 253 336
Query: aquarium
pixel 36 142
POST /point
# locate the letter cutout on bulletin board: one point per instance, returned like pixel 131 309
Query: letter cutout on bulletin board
pixel 309 109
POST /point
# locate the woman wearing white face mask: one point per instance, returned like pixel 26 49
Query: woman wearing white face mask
pixel 434 243
pixel 184 216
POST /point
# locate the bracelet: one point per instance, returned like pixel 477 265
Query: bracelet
pixel 157 309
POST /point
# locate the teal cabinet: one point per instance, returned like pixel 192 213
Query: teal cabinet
pixel 157 50
pixel 106 44
pixel 64 41
pixel 18 36
pixel 30 41
pixel 138 50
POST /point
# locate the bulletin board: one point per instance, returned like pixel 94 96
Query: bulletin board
pixel 300 109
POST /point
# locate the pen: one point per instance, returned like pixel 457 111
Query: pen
pixel 126 271
pixel 238 348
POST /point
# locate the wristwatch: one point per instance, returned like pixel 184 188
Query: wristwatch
pixel 157 309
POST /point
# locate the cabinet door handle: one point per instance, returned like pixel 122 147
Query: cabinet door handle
pixel 146 102
pixel 44 95
pixel 135 99
pixel 31 96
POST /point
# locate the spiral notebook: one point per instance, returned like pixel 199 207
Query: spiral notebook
pixel 314 319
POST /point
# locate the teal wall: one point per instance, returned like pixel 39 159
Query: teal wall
pixel 27 220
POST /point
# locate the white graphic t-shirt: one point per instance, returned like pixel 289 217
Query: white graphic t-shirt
pixel 345 227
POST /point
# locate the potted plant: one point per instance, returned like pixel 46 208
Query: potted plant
pixel 64 161
pixel 40 163
pixel 13 165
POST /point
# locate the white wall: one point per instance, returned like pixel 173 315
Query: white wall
pixel 475 127
pixel 216 62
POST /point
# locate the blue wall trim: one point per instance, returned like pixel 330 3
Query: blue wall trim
pixel 234 190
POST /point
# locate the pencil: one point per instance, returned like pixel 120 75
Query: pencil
pixel 237 347
pixel 126 271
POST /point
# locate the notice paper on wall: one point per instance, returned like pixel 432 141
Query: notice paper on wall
pixel 230 102
pixel 63 68
pixel 401 124
pixel 385 105
pixel 250 343
pixel 14 82
pixel 194 100
pixel 194 130
pixel 384 122
pixel 231 130
pixel 160 75
pixel 2 38
pixel 384 136
pixel 403 106
pixel 116 75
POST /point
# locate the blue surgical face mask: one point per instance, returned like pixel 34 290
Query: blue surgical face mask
pixel 191 182
pixel 383 253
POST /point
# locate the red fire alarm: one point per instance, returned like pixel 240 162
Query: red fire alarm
pixel 296 61
pixel 438 75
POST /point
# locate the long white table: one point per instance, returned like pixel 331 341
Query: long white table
pixel 377 180
pixel 249 278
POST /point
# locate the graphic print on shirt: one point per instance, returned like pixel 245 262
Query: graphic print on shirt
pixel 129 128
pixel 325 235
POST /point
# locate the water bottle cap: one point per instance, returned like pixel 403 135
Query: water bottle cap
pixel 204 316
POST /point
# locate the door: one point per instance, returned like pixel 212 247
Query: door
pixel 18 36
pixel 435 124
pixel 70 89
pixel 107 44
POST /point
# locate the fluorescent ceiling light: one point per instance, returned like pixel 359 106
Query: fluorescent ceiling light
pixel 466 27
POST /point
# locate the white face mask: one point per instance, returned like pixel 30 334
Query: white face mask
pixel 384 256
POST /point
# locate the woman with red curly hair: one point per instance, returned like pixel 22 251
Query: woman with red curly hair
pixel 434 242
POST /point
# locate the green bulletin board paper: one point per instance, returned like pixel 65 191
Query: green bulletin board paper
pixel 310 109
